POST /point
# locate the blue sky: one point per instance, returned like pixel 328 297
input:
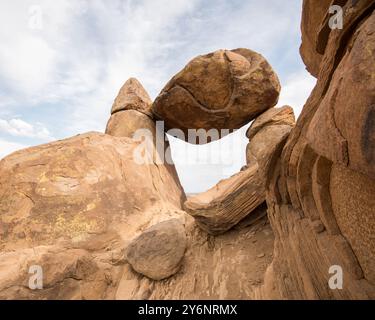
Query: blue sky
pixel 62 63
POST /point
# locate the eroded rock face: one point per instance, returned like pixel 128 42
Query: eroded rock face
pixel 77 218
pixel 263 146
pixel 313 19
pixel 221 90
pixel 72 207
pixel 320 194
pixel 158 251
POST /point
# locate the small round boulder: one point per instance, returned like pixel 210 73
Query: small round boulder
pixel 157 253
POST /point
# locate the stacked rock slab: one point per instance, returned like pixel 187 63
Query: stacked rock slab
pixel 221 90
pixel 226 204
pixel 283 116
pixel 231 200
pixel 321 192
pixel 267 135
pixel 131 111
pixel 132 96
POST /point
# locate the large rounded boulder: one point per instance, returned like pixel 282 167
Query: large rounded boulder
pixel 220 90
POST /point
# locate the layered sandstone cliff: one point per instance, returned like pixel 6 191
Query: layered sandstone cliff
pixel 320 196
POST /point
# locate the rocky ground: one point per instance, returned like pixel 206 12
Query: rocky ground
pixel 228 266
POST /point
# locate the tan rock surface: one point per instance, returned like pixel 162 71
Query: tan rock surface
pixel 126 123
pixel 349 142
pixel 221 90
pixel 264 144
pixel 131 111
pixel 355 216
pixel 132 96
pixel 313 15
pixel 273 116
pixel 76 219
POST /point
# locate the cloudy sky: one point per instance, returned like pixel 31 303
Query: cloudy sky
pixel 62 63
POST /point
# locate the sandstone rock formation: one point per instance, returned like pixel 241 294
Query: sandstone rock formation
pixel 72 207
pixel 221 90
pixel 313 15
pixel 158 251
pixel 77 218
pixel 221 267
pixel 272 117
pixel 126 123
pixel 226 204
pixel 103 226
pixel 132 96
pixel 131 111
pixel 320 196
pixel 267 135
pixel 231 200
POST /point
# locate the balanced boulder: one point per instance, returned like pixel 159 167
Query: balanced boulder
pixel 221 90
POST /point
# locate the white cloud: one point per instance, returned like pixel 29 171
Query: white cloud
pixel 32 72
pixel 296 91
pixel 200 167
pixel 20 128
pixel 84 52
pixel 7 147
